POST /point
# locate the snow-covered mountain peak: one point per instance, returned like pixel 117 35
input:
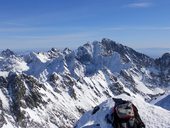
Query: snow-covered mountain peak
pixel 163 63
pixel 166 55
pixel 164 60
pixel 7 53
pixel 67 51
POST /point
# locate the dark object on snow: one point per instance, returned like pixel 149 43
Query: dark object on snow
pixel 95 109
pixel 125 115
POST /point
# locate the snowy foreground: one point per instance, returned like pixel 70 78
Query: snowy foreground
pixel 152 116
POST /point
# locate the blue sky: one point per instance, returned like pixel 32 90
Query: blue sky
pixel 26 24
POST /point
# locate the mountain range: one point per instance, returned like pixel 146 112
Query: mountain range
pixel 54 89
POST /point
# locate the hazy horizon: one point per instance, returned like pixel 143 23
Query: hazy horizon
pixel 54 23
pixel 152 52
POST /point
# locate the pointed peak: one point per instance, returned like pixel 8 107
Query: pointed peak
pixel 107 40
pixel 67 51
pixel 54 50
pixel 166 55
pixel 7 53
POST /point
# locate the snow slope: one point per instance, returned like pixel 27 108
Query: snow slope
pixel 162 101
pixel 150 114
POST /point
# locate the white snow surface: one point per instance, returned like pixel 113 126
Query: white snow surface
pixel 14 64
pixel 162 101
pixel 149 114
pixel 4 99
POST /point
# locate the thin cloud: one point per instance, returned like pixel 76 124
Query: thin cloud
pixel 16 29
pixel 140 28
pixel 49 40
pixel 139 5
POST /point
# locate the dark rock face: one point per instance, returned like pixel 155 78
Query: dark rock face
pixel 84 55
pixel 109 46
pixel 2 119
pixel 7 53
pixel 126 53
pixel 17 91
pixel 3 82
pixel 127 76
pixel 163 63
pixel 16 86
pixel 53 53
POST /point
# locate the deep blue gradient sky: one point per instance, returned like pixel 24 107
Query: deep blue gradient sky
pixel 26 24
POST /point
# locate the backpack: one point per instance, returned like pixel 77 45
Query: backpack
pixel 125 111
pixel 125 115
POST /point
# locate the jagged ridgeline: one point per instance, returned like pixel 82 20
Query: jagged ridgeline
pixel 54 88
